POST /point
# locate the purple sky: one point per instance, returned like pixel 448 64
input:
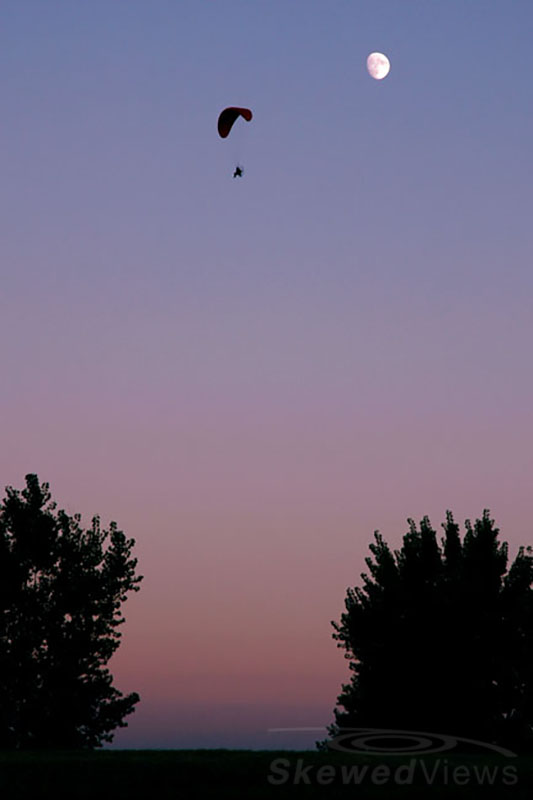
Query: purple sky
pixel 251 376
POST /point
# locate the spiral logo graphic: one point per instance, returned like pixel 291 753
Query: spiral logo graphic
pixel 385 741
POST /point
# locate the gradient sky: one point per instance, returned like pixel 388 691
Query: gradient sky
pixel 251 376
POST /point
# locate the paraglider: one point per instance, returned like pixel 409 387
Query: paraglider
pixel 228 117
pixel 226 120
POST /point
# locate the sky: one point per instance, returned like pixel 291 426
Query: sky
pixel 251 376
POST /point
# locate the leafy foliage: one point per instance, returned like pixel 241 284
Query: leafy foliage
pixel 440 637
pixel 61 590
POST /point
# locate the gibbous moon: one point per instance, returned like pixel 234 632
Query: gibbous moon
pixel 378 66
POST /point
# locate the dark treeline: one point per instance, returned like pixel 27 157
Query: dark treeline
pixel 61 590
pixel 440 637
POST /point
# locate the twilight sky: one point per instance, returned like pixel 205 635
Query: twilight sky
pixel 251 376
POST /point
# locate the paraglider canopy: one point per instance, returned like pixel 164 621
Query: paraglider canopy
pixel 228 117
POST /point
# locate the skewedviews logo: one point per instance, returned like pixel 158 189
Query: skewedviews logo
pixel 484 766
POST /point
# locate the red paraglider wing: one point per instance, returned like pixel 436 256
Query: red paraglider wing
pixel 228 117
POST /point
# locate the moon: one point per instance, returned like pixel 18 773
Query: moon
pixel 378 66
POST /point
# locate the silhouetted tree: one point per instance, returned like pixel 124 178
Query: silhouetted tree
pixel 440 638
pixel 61 590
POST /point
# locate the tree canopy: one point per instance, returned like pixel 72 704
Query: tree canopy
pixel 440 637
pixel 61 591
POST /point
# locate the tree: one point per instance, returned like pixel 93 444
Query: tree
pixel 61 590
pixel 440 638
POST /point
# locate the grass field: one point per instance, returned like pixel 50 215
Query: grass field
pixel 235 774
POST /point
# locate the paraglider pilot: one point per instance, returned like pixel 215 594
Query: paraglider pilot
pixel 238 172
